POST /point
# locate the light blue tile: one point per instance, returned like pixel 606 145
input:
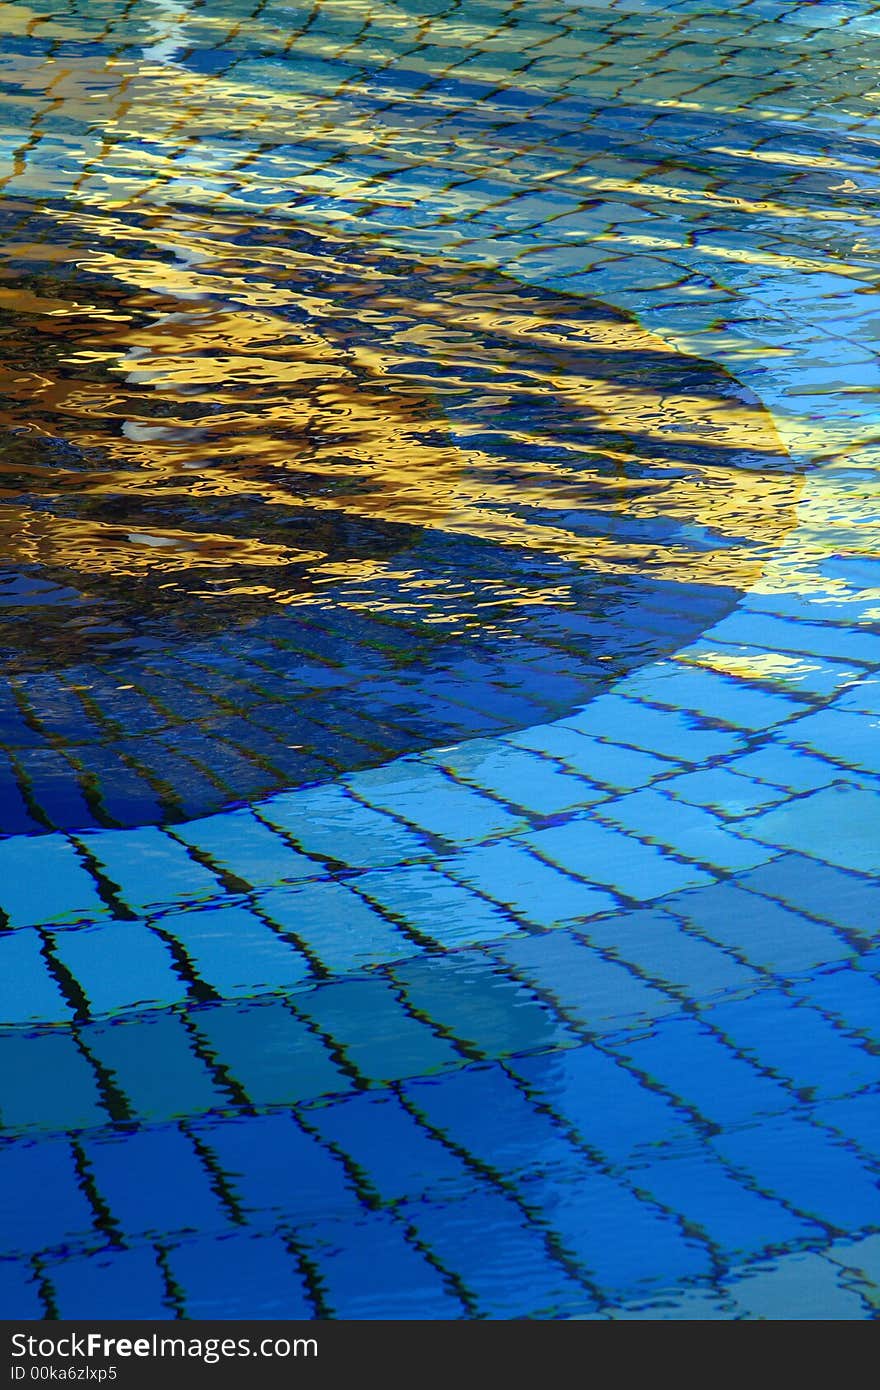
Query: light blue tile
pixel 716 696
pixel 28 992
pixel 613 859
pixel 336 926
pixel 517 776
pixel 839 825
pixel 689 831
pixel 435 906
pixel 782 766
pixel 332 825
pixel 845 737
pixel 421 794
pixel 235 952
pixel 669 733
pixel 720 789
pixel 609 764
pixel 148 867
pixel 120 965
pixel 43 880
pixel 241 844
pixel 536 891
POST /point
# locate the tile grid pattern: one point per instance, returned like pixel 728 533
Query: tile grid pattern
pixel 530 1018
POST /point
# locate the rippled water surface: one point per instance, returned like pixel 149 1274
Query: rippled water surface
pixel 402 412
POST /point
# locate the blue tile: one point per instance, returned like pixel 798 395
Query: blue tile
pixel 153 1181
pixel 845 899
pixel 609 764
pixel 697 1069
pixel 501 1259
pixel 765 934
pixel 658 945
pixel 110 1284
pixel 19 1292
pixel 402 1284
pixel 396 1155
pixel 736 1219
pixel 434 906
pixel 601 855
pixel 796 1043
pixel 148 867
pixel 42 1202
pixel 273 1167
pixel 793 1160
pixel 517 777
pixel 28 991
pixel 482 1111
pixel 332 825
pixel 852 996
pixel 240 1276
pixel 688 831
pixel 802 826
pixel 668 733
pixel 612 1112
pixel 420 793
pixel 620 1241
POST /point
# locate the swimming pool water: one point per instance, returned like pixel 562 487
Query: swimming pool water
pixel 438 603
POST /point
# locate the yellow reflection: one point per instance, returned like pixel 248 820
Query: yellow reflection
pixel 209 379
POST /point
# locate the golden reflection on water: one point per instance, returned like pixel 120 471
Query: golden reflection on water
pixel 214 386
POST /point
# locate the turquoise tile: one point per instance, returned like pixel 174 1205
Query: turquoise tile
pixel 46 1082
pixel 144 1056
pixel 489 1012
pixel 378 1035
pixel 273 1056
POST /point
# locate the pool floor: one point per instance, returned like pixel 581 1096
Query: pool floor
pixel 439 602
